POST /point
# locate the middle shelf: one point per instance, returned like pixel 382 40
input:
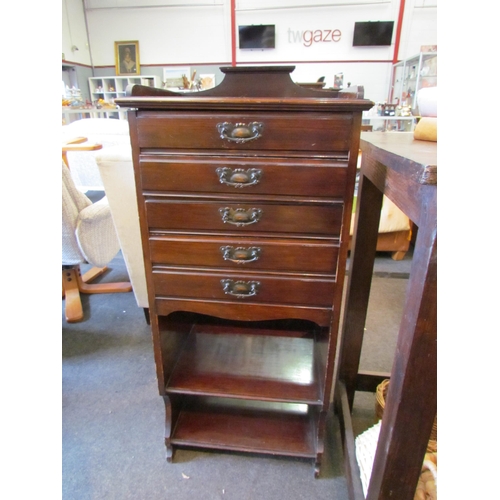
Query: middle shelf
pixel 251 362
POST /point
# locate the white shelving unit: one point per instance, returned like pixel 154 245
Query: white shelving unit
pixel 109 88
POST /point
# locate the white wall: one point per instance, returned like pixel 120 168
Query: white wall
pixel 74 33
pixel 316 21
pixel 166 35
pixel 199 33
pixel 419 28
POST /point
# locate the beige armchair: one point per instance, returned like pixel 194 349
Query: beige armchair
pixel 88 236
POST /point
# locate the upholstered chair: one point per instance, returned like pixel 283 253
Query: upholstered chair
pixel 88 236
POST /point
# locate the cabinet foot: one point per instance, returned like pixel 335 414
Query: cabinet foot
pixel 169 455
pixel 317 468
pixel 320 444
pixel 168 428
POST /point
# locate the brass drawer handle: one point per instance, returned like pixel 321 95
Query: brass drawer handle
pixel 240 289
pixel 240 216
pixel 238 177
pixel 240 132
pixel 240 255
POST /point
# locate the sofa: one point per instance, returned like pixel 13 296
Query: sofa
pixel 117 175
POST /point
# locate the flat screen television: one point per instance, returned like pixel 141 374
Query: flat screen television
pixel 257 36
pixel 374 33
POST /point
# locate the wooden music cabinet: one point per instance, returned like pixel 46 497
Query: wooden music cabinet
pixel 245 197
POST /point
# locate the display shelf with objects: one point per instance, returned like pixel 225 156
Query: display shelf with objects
pixel 410 75
pixel 104 90
pixel 111 87
pixel 245 194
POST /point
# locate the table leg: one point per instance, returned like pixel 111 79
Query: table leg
pixel 362 259
pixel 411 401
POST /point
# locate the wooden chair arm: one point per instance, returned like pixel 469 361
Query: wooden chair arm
pixel 77 140
pixel 78 147
pixel 76 144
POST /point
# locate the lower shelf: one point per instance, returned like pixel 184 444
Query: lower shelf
pixel 244 386
pixel 260 427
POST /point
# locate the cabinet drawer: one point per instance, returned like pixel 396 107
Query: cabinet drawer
pixel 245 254
pixel 240 175
pixel 243 287
pixel 246 131
pixel 320 219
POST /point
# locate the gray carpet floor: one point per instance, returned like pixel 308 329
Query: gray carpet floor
pixel 113 417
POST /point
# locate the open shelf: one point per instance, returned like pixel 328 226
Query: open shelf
pixel 248 426
pixel 225 361
pixel 248 386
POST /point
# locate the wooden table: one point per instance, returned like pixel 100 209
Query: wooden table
pixel 405 170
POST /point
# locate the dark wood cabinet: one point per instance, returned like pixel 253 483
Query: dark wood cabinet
pixel 245 199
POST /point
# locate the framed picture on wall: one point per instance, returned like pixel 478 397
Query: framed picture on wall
pixel 127 58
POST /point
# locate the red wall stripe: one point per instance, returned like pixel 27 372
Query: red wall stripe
pixel 233 32
pixel 399 28
pixel 233 46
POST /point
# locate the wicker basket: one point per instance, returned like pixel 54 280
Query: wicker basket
pixel 427 484
pixel 380 397
pixel 366 447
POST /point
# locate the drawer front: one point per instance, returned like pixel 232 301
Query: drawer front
pixel 306 219
pixel 245 254
pixel 245 131
pixel 244 287
pixel 240 175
